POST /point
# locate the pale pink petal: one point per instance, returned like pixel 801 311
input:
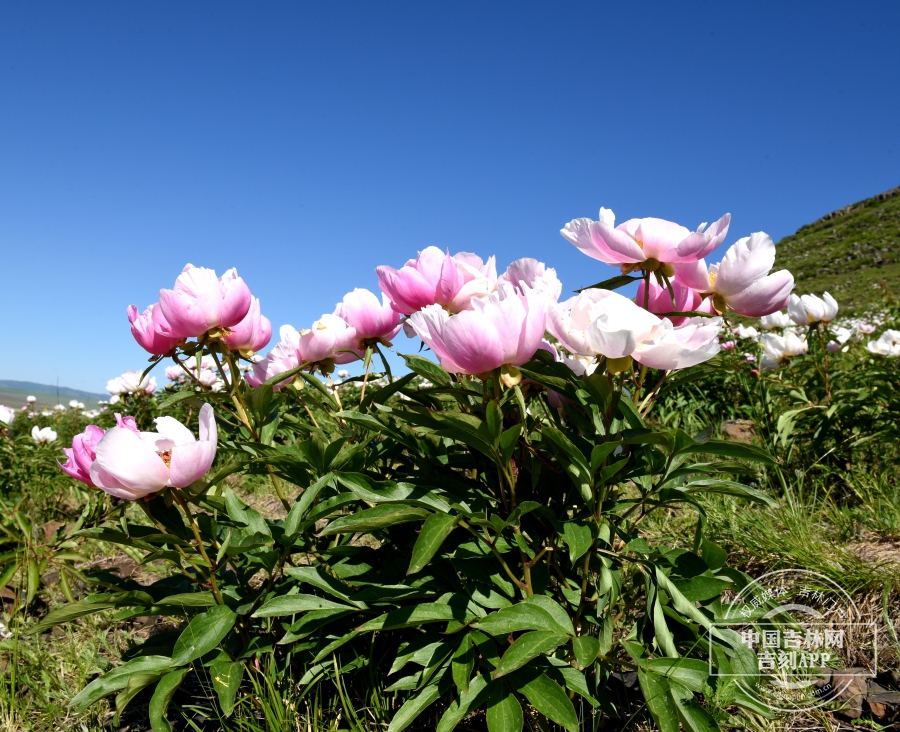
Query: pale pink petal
pixel 746 261
pixel 132 462
pixel 614 246
pixel 472 342
pixel 693 275
pixel 763 297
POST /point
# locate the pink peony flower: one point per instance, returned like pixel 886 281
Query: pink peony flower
pixel 373 321
pixel 130 464
pixel 505 328
pixel 173 373
pixel 437 278
pixel 659 300
pixel 253 333
pixel 532 274
pixel 201 302
pixel 81 455
pixel 741 281
pixel 643 243
pixel 283 357
pixel 810 309
pixel 147 330
pixel 687 345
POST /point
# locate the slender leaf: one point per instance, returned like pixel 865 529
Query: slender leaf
pixel 436 528
pixel 162 695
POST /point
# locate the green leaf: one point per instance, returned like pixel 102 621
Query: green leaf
pixel 613 283
pixel 88 606
pixel 414 707
pixel 655 689
pixel 521 616
pixel 690 672
pixel 467 702
pixel 118 679
pixel 162 695
pixel 427 369
pixel 436 528
pixel 226 677
pixel 292 604
pixel 325 582
pixel 527 647
pixel 731 449
pixel 555 610
pixel 702 587
pixel 504 712
pixel 586 648
pixel 202 634
pixel 373 519
pixel 579 538
pixel 730 488
pixel 136 684
pixel 508 441
pixel 411 616
pixel 189 599
pixel 694 718
pixel 551 700
pixel 463 663
pixel 175 398
pixel 301 506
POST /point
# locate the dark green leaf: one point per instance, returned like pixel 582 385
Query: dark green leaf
pixel 226 678
pixel 436 528
pixel 655 689
pixel 427 369
pixel 549 699
pixel 202 634
pixel 118 679
pixel 586 648
pixel 372 519
pixel 162 695
pixel 579 538
pixel 613 283
pixel 418 615
pixel 522 616
pixel 292 604
pixel 412 708
pixel 527 647
pixel 504 712
pixel 467 702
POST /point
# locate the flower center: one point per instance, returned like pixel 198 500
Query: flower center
pixel 712 278
pixel 166 457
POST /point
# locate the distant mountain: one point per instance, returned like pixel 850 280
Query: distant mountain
pixel 852 253
pixel 13 393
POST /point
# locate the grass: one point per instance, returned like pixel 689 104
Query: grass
pixel 848 253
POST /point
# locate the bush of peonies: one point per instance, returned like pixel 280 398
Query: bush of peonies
pixel 504 485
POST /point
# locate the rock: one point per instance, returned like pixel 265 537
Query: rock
pixel 739 430
pixel 882 703
pixel 852 686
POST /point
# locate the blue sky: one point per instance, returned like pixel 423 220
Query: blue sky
pixel 306 143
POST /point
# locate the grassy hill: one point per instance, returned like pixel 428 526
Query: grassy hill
pixel 853 253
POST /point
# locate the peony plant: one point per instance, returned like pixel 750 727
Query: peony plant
pixel 468 532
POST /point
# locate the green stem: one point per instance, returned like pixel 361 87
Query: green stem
pixel 196 529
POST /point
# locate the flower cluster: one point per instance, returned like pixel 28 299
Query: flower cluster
pixel 130 383
pixel 477 323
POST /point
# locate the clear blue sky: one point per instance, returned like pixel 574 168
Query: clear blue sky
pixel 306 143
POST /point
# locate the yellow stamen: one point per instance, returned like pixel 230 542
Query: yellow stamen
pixel 166 457
pixel 712 278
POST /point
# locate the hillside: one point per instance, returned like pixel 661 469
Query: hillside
pixel 848 253
pixel 13 394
